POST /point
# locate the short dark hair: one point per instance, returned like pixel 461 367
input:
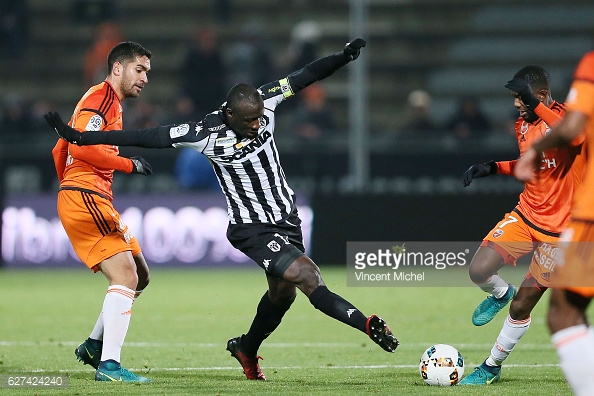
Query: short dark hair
pixel 242 93
pixel 538 77
pixel 125 52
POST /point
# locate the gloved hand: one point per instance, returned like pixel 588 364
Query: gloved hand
pixel 67 133
pixel 352 49
pixel 141 166
pixel 522 87
pixel 479 170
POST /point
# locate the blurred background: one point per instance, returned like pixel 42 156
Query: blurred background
pixel 376 152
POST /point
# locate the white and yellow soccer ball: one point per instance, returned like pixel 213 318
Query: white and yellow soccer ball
pixel 442 365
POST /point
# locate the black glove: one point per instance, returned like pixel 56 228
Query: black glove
pixel 479 170
pixel 69 134
pixel 522 87
pixel 141 166
pixel 352 49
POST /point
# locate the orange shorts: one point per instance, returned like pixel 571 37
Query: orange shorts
pixel 94 227
pixel 574 269
pixel 514 237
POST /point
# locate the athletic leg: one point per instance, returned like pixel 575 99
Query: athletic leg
pixel 514 327
pixel 305 275
pixel 573 338
pixel 121 273
pixel 483 272
pixel 271 309
pixel 142 272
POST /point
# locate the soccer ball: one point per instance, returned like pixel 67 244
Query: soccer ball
pixel 441 364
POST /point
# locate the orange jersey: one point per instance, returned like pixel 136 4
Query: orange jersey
pixel 92 167
pixel 581 98
pixel 546 202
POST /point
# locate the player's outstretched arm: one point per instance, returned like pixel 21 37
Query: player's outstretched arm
pixel 326 66
pixel 149 138
pixel 479 170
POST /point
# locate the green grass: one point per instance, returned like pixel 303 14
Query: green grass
pixel 182 322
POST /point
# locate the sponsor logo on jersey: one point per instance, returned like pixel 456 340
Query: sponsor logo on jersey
pixel 226 141
pixel 179 130
pixel 243 150
pixel 266 263
pixel 94 123
pixel 497 233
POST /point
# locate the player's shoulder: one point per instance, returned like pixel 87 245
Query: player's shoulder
pixel 101 97
pixel 585 69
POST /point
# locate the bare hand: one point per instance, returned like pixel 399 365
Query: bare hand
pixel 528 166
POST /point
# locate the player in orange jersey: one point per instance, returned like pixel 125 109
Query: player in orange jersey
pixel 99 237
pixel 573 280
pixel 533 226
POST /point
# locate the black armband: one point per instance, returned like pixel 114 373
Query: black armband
pixel 149 138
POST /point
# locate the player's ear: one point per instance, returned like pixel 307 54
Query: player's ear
pixel 117 69
pixel 542 94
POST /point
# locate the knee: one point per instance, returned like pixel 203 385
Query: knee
pixel 303 272
pixel 478 273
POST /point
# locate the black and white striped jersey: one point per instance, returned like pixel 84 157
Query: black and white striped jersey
pixel 249 171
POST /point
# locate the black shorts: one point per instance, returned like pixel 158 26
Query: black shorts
pixel 272 246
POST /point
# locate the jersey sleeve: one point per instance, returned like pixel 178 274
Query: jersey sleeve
pixel 547 115
pixel 506 167
pixel 101 159
pixel 60 153
pixel 581 94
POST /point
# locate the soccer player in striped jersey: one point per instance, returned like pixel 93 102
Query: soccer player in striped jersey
pixel 533 226
pixel 99 237
pixel 263 219
pixel 572 283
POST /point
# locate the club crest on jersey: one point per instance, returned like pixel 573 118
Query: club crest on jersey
pixel 225 141
pixel 274 246
pixel 497 233
pixel 179 131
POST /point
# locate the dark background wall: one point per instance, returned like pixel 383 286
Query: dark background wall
pixel 348 218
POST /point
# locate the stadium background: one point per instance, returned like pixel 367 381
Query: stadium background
pixel 412 186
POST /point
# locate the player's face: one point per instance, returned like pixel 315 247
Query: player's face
pixel 245 119
pixel 135 76
pixel 526 114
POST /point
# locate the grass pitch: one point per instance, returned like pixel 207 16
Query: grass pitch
pixel 182 322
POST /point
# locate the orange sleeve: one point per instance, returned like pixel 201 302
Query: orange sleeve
pixel 60 153
pixel 506 167
pixel 95 156
pixel 547 115
pixel 551 118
